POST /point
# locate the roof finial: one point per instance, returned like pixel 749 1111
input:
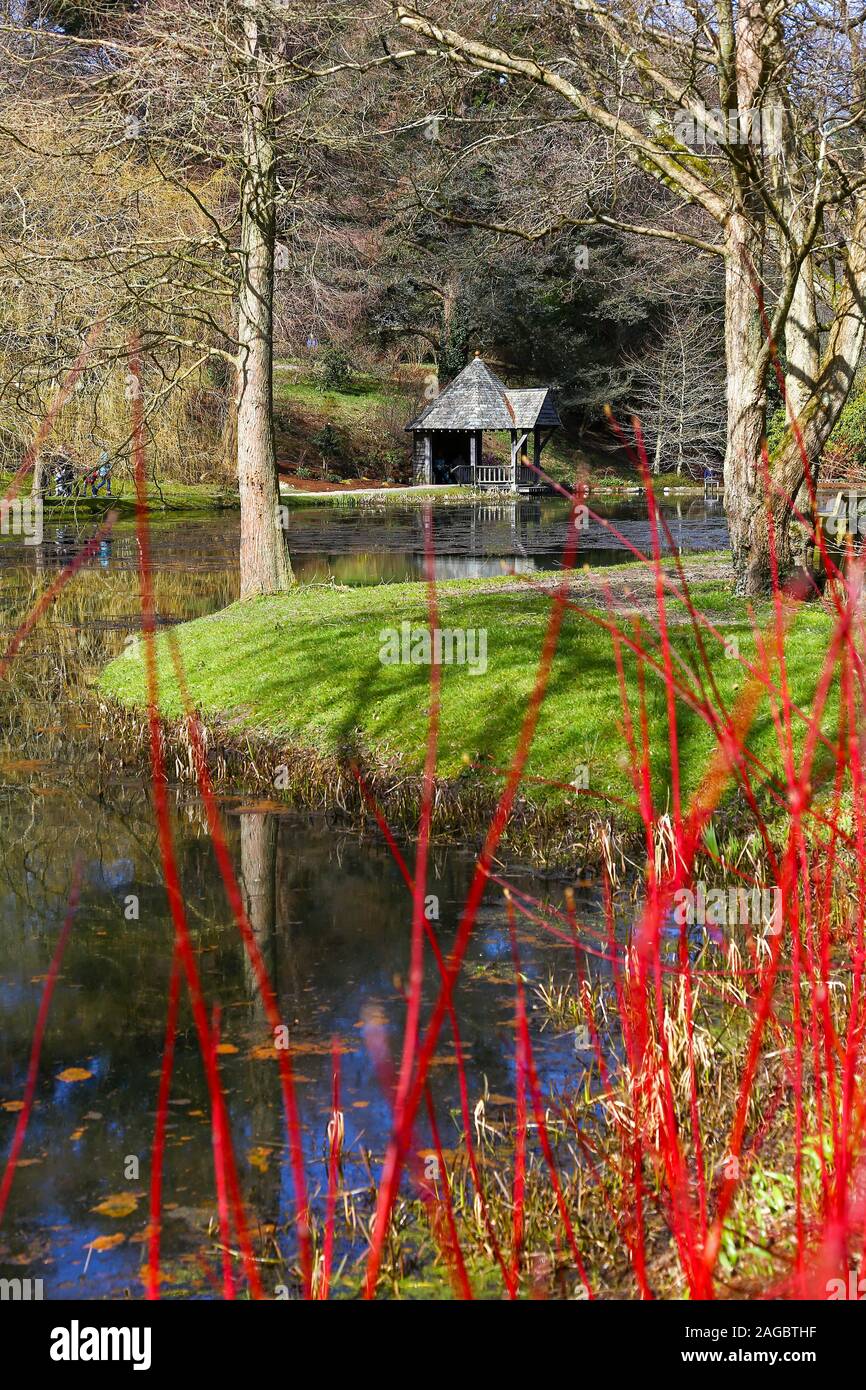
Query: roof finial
pixel 477 353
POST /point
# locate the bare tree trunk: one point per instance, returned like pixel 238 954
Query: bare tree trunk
pixel 744 330
pixel 802 344
pixel 819 407
pixel 38 481
pixel 264 561
pixel 747 407
pixel 802 351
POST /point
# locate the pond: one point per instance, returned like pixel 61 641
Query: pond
pixel 328 906
pixel 476 540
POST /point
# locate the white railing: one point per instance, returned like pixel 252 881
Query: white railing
pixel 496 475
pixel 492 475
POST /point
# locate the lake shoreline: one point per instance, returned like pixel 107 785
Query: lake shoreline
pixel 279 777
pixel 162 497
pixel 445 493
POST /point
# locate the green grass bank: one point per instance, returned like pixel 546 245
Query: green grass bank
pixel 162 496
pixel 302 673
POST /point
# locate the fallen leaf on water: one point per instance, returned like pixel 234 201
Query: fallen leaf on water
pixel 120 1204
pixel 164 1277
pixel 266 1052
pixel 12 1106
pixel 259 1157
pixel 226 1048
pixel 74 1074
pixel 106 1242
pixel 76 1134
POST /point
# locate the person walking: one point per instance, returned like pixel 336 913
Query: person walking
pixel 64 473
pixel 102 477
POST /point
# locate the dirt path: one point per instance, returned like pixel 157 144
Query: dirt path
pixel 629 590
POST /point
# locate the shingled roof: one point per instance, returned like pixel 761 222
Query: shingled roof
pixel 533 408
pixel 477 400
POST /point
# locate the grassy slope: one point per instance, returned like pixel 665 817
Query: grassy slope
pixel 361 395
pixel 303 407
pixel 305 667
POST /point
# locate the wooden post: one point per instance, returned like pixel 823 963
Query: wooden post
pixel 518 442
pixel 536 451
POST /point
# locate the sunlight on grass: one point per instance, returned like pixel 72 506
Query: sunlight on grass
pixel 306 666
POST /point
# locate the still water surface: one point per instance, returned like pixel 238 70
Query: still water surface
pixel 328 906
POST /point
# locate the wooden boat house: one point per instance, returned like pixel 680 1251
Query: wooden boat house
pixel 448 436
